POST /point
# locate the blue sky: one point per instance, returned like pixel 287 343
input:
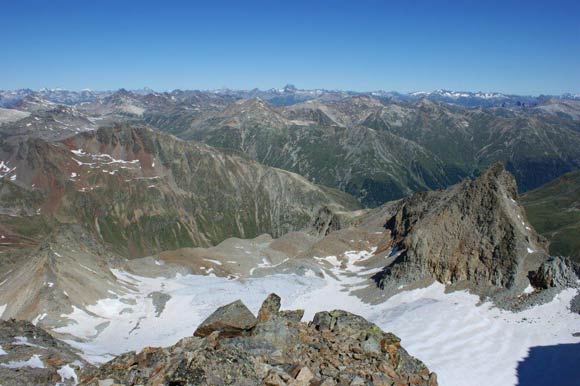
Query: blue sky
pixel 527 47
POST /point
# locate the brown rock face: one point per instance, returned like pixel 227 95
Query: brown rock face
pixel 337 348
pixel 473 232
pixel 229 320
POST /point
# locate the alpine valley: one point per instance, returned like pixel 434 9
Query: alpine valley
pixel 289 237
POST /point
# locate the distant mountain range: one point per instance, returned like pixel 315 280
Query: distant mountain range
pixel 377 147
pixel 289 94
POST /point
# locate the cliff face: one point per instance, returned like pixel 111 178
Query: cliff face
pixel 473 232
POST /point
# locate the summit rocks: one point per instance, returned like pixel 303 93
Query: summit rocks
pixel 336 348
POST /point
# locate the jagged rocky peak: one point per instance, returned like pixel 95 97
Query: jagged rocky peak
pixel 274 349
pixel 474 232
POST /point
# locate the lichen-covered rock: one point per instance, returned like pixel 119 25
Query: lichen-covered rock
pixel 230 320
pixel 270 308
pixel 336 348
pixel 292 315
pixel 190 362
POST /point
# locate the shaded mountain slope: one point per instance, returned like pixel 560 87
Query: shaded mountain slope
pixel 554 210
pixel 535 149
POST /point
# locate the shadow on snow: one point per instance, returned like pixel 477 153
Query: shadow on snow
pixel 557 365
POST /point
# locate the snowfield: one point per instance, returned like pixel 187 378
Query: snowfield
pixel 465 343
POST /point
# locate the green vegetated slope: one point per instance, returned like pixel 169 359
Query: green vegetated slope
pixel 554 210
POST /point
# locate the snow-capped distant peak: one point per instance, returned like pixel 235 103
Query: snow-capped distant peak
pixel 459 94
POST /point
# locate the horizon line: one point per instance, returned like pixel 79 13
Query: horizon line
pixel 224 89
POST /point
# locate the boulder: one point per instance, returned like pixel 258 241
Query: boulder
pixel 270 308
pixel 230 320
pixel 304 377
pixel 292 315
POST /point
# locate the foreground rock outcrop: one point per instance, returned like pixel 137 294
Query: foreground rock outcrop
pixel 336 348
pixel 30 356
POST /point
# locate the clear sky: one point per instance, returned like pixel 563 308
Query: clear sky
pixel 526 47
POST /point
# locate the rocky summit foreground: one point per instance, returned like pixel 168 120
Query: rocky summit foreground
pixel 233 347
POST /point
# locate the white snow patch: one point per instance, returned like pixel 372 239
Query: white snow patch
pixel 34 362
pixel 23 341
pixel 88 269
pixel 529 289
pixel 67 372
pixel 39 318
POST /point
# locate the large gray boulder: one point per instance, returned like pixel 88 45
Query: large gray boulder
pixel 230 320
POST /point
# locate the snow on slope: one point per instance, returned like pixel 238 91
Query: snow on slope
pixel 466 344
